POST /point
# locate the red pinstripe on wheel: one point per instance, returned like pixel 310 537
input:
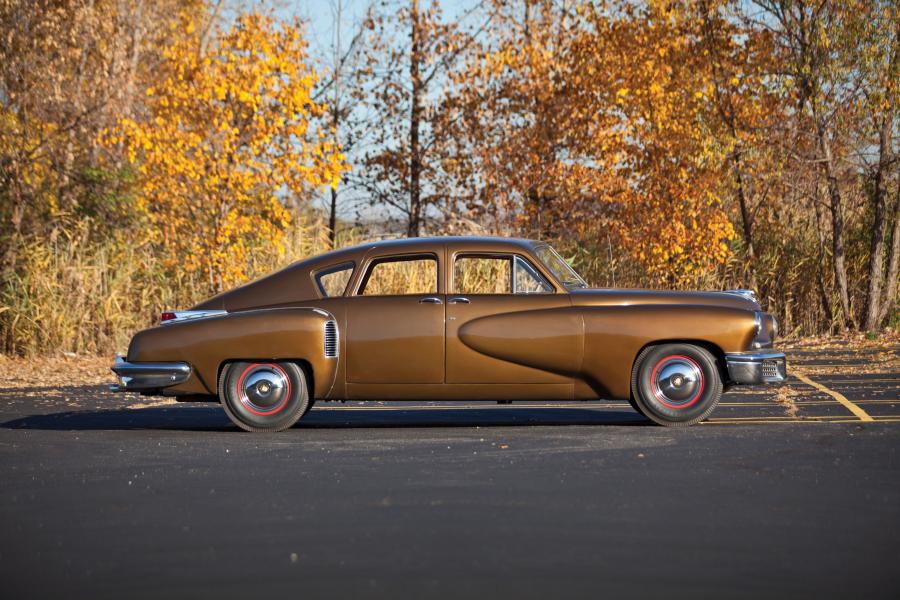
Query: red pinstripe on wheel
pixel 655 387
pixel 245 401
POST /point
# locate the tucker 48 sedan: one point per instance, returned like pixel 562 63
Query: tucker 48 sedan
pixel 451 318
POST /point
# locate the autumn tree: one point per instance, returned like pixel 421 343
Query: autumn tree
pixel 810 37
pixel 343 87
pixel 68 70
pixel 878 57
pixel 229 146
pixel 747 111
pixel 411 52
pixel 593 120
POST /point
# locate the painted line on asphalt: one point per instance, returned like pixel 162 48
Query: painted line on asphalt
pixel 856 410
pixel 470 407
pixel 814 420
pixel 758 420
pixel 865 381
pixel 807 403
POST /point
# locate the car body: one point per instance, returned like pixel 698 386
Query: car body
pixel 451 318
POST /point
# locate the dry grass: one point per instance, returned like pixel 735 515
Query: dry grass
pixel 75 294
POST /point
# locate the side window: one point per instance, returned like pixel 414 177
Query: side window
pixel 401 276
pixel 333 280
pixel 481 275
pixel 528 280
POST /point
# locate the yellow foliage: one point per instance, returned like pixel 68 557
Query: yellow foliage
pixel 229 140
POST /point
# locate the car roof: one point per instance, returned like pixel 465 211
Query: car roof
pixel 411 245
pixel 425 242
pixel 272 288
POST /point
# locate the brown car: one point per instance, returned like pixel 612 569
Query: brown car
pixel 451 318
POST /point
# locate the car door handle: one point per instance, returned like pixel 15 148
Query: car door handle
pixel 458 300
pixel 430 300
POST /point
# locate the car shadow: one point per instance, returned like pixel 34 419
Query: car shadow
pixel 212 418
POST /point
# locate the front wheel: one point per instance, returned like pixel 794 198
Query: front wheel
pixel 676 384
pixel 262 395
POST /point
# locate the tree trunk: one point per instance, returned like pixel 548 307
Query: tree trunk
pixel 415 163
pixel 837 223
pixel 890 296
pixel 746 225
pixel 820 283
pixel 332 219
pixel 879 229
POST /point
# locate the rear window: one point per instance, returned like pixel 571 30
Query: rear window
pixel 332 281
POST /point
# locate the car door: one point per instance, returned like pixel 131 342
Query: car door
pixel 395 324
pixel 509 288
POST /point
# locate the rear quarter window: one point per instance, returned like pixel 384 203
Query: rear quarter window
pixel 332 281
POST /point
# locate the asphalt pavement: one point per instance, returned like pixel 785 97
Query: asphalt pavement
pixel 788 493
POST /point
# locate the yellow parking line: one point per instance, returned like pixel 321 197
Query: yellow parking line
pixel 865 381
pixel 856 410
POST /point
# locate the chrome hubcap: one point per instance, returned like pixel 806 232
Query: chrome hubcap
pixel 677 381
pixel 264 388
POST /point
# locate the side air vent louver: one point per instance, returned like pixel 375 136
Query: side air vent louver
pixel 331 339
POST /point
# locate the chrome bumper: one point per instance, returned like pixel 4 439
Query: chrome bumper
pixel 761 366
pixel 148 376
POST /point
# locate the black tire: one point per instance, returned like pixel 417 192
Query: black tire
pixel 309 406
pixel 263 395
pixel 676 385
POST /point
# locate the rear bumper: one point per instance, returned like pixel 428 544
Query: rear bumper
pixel 762 366
pixel 148 376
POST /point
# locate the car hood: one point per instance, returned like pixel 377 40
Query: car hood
pixel 619 297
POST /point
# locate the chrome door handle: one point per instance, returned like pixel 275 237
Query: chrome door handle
pixel 430 300
pixel 458 300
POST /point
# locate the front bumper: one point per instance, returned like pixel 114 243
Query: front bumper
pixel 148 376
pixel 761 366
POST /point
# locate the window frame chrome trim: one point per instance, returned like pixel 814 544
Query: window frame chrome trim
pixel 512 257
pixel 368 266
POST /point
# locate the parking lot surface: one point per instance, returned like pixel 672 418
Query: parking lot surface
pixel 788 492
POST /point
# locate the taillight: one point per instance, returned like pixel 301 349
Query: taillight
pixel 166 316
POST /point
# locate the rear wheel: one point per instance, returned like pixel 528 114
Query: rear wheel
pixel 676 384
pixel 263 396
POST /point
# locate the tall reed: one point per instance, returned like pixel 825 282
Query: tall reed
pixel 79 294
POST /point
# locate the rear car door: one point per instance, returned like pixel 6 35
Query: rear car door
pixel 395 322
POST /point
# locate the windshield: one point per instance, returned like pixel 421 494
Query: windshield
pixel 560 267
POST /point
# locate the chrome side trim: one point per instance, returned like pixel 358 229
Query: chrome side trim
pixel 192 315
pixel 331 339
pixel 148 375
pixel 767 366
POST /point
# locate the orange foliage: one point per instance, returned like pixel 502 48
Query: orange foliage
pixel 598 122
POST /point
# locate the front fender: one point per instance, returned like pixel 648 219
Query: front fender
pixel 614 335
pixel 268 334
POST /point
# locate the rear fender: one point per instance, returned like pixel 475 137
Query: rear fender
pixel 288 334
